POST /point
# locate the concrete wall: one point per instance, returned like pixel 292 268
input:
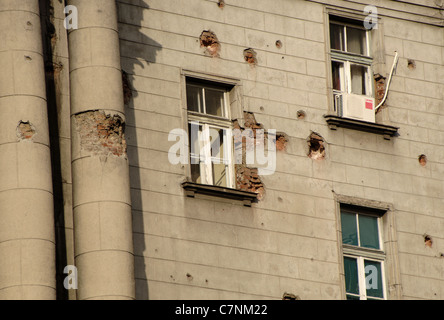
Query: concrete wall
pixel 212 248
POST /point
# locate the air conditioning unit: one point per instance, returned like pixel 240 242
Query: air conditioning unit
pixel 355 106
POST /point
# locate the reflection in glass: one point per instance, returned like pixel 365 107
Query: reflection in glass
pixel 356 41
pixel 194 98
pixel 349 228
pixel 358 75
pixel 337 37
pixel 214 102
pixel 351 275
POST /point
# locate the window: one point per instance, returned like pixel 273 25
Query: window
pixel 350 59
pixel 210 134
pixel 353 68
pixel 363 254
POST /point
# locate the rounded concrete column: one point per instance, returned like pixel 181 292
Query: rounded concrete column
pixel 103 242
pixel 27 245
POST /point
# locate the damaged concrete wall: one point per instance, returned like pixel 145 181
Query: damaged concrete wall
pixel 215 248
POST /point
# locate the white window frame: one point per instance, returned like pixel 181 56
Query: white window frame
pixel 208 122
pixel 349 58
pixel 362 277
pixel 362 254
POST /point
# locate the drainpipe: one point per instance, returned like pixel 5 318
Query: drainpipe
pixel 103 246
pixel 27 245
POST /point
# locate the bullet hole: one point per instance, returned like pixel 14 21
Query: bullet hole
pixel 172 278
pixel 189 277
pixel 301 114
pixel 250 56
pixel 101 134
pixel 127 92
pixel 316 147
pixel 380 87
pixel 262 109
pixel 290 296
pixel 428 241
pixel 25 130
pixel 206 280
pixel 278 44
pixel 221 4
pixel 247 179
pixel 209 41
pixel 422 160
pixel 411 64
pixel 281 141
pixel 280 199
pixel 28 58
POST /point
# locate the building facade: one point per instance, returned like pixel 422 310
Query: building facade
pixel 210 149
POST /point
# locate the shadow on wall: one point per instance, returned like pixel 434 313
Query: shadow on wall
pixel 137 51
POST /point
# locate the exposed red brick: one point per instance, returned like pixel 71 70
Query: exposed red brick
pixel 422 160
pixel 101 134
pixel 281 141
pixel 316 147
pixel 25 130
pixel 380 88
pixel 209 41
pixel 250 56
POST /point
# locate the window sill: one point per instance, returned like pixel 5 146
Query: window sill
pixel 246 197
pixel 335 122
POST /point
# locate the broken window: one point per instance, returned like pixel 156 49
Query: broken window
pixel 363 254
pixel 210 135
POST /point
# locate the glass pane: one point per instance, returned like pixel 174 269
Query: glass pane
pixel 194 98
pixel 195 133
pixel 195 173
pixel 351 275
pixel 337 68
pixel 368 232
pixel 337 37
pixel 220 175
pixel 356 41
pixel 358 76
pixel 349 228
pixel 351 297
pixel 214 102
pixel 217 144
pixel 373 279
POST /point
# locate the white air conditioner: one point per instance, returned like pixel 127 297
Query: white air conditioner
pixel 355 106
